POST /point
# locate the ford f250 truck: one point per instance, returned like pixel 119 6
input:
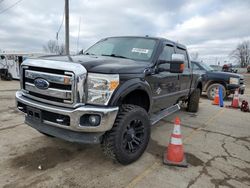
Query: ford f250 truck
pixel 111 94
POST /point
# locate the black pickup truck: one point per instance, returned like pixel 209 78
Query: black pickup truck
pixel 213 79
pixel 111 94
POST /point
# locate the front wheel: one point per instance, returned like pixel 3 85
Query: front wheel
pixel 129 137
pixel 211 90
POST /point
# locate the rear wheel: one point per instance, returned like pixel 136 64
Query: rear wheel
pixel 129 137
pixel 193 101
pixel 211 90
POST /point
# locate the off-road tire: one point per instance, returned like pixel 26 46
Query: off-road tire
pixel 115 141
pixel 193 101
pixel 213 87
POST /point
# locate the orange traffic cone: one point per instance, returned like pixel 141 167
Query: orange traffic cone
pixel 216 98
pixel 235 102
pixel 174 154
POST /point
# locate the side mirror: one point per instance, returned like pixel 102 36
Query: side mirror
pixel 177 64
pixel 2 57
pixel 164 68
pixel 161 62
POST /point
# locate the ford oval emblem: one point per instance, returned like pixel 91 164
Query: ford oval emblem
pixel 41 83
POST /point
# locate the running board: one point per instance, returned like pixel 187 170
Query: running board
pixel 164 113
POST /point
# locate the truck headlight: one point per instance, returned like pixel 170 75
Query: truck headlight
pixel 101 87
pixel 233 80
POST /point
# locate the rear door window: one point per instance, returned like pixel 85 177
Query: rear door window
pixel 166 55
pixel 184 52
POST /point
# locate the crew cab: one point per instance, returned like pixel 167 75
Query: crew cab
pixel 111 94
pixel 214 79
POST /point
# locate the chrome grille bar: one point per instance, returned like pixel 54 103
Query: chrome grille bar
pixel 62 94
pixel 54 78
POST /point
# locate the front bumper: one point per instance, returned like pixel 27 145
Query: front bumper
pixel 242 89
pixel 107 114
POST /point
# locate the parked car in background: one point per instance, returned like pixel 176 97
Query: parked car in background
pixel 10 63
pixel 213 79
pixel 216 67
pixel 229 68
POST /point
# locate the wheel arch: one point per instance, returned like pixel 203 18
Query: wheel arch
pixel 198 84
pixel 135 92
pixel 214 82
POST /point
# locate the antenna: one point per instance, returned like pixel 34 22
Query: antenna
pixel 79 29
pixel 67 27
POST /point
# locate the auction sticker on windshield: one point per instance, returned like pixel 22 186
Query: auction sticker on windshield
pixel 140 50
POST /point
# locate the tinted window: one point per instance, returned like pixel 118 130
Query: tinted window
pixel 181 51
pixel 184 52
pixel 167 56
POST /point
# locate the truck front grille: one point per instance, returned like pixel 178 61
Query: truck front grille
pixel 61 84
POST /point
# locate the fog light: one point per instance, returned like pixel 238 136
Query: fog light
pixel 90 120
pixel 94 120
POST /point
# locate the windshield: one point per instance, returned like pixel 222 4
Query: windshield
pixel 124 47
pixel 206 67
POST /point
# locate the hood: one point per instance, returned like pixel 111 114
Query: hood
pixel 225 74
pixel 105 64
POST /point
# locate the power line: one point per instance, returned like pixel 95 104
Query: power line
pixel 59 29
pixel 8 8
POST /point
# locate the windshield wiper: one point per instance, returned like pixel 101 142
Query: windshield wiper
pixel 114 55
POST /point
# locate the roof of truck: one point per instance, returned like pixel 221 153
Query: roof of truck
pixel 155 38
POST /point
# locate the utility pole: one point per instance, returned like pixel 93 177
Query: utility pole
pixel 67 27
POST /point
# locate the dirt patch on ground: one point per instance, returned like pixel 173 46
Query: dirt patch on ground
pixel 43 158
pixel 158 150
pixel 193 160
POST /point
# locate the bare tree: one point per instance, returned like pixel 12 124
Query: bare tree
pixel 61 49
pixel 242 53
pixel 53 47
pixel 194 56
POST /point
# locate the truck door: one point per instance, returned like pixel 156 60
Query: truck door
pixel 165 85
pixel 186 76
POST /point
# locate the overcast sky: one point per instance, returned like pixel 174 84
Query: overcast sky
pixel 212 28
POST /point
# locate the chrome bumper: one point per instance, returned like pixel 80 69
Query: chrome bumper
pixel 108 114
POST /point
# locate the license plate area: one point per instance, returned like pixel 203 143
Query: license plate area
pixel 34 114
